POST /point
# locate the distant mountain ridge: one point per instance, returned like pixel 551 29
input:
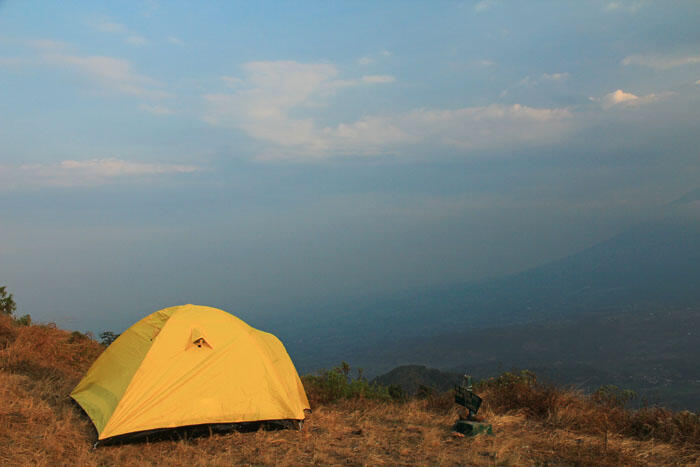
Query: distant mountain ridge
pixel 646 268
pixel 652 352
pixel 411 377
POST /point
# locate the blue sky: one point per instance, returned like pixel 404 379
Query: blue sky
pixel 267 156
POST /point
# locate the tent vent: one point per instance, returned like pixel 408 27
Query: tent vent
pixel 199 342
pixel 198 339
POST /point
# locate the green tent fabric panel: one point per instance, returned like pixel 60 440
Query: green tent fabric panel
pixel 104 384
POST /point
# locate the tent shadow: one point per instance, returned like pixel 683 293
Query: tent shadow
pixel 192 432
pixel 189 432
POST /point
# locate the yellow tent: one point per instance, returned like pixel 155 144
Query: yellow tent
pixel 190 365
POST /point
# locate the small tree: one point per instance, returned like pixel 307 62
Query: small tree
pixel 7 303
pixel 107 337
pixel 613 396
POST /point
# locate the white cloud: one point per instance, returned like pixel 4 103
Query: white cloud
pixel 104 25
pixel 46 45
pixel 378 79
pixel 113 74
pixel 12 62
pixel 176 41
pixel 555 77
pixel 529 82
pixel 136 40
pixel 544 77
pixel 660 62
pixel 618 97
pixel 371 58
pixel 525 82
pixel 148 7
pixel 483 5
pixel 467 129
pixel 367 79
pixel 264 107
pixel 232 81
pixel 111 27
pixel 84 173
pixel 272 90
pixel 116 167
pixel 629 6
pixel 627 99
pixel 157 109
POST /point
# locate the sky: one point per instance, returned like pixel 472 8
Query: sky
pixel 274 157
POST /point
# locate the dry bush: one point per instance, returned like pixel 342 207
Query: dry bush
pixel 662 424
pixel 521 392
pixel 586 414
pixel 442 403
pixel 8 331
pixel 38 350
pixel 601 414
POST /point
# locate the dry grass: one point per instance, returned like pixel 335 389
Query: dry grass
pixel 39 425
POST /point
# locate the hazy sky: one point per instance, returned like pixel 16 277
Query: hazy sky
pixel 263 157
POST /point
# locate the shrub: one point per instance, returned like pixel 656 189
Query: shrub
pixel 520 391
pixel 35 349
pixel 8 331
pixel 441 402
pixel 24 320
pixel 602 413
pixel 7 303
pixel 107 337
pixel 423 391
pixel 612 396
pixel 335 384
pixel 664 425
pixel 77 336
pixel 437 402
pixel 397 393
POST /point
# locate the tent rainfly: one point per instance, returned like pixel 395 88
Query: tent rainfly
pixel 190 365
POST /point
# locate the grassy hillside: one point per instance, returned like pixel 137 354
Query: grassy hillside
pixel 351 422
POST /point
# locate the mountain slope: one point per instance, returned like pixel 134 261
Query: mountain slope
pixel 649 268
pixel 655 353
pixel 411 377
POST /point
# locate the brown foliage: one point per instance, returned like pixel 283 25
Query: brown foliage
pixel 572 410
pixel 522 392
pixel 37 350
pixel 8 331
pixel 681 428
